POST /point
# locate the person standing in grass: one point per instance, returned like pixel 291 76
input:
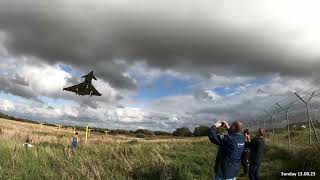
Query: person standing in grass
pixel 257 147
pixel 231 147
pixel 246 153
pixel 75 142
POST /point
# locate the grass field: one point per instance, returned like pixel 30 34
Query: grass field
pixel 119 157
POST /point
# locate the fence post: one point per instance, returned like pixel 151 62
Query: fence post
pixel 257 124
pixel 287 117
pixel 273 126
pixel 272 119
pixel 315 133
pixel 309 122
pixel 307 111
pixel 288 126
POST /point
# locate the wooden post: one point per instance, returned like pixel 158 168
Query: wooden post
pixel 87 128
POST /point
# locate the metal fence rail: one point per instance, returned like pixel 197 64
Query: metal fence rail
pixel 297 109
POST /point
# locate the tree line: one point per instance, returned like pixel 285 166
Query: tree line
pixel 179 132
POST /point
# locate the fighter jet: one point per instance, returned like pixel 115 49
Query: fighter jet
pixel 86 87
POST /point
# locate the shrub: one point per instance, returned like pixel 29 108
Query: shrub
pixel 184 132
pixel 140 135
pixel 119 131
pixel 201 131
pixel 145 132
pixel 162 133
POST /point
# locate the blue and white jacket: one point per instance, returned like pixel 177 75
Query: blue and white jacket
pixel 231 147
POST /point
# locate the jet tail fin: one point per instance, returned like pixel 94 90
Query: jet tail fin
pixel 90 75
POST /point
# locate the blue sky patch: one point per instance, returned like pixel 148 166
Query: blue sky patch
pixel 10 97
pixel 70 70
pixel 234 89
pixel 164 86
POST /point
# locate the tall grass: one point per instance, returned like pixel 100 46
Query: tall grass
pixel 118 157
pixel 185 160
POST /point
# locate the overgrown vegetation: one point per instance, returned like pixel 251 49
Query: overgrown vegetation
pixel 127 157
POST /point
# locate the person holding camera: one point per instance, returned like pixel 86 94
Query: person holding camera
pixel 231 147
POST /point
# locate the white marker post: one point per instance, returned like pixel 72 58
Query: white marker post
pixel 107 132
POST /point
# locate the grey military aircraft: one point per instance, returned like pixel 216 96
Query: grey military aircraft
pixel 86 87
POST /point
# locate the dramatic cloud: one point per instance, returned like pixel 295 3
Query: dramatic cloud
pixel 159 64
pixel 8 86
pixel 45 79
pixel 245 38
pixel 33 79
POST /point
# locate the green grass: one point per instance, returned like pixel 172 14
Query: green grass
pixel 300 157
pixel 185 160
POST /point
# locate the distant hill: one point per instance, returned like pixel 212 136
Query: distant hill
pixel 6 116
pixel 95 129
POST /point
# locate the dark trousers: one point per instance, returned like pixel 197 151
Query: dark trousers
pixel 245 161
pixel 254 171
pixel 245 165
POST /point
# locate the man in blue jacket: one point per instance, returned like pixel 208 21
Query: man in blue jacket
pixel 231 147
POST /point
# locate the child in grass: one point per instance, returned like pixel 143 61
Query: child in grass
pixel 28 143
pixel 75 142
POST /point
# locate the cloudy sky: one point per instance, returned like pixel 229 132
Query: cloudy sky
pixel 159 64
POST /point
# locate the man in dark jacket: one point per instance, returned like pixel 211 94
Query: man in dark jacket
pixel 231 147
pixel 257 147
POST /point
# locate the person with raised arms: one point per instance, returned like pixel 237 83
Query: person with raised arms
pixel 230 149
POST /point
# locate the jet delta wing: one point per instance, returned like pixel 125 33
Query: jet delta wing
pixel 86 87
